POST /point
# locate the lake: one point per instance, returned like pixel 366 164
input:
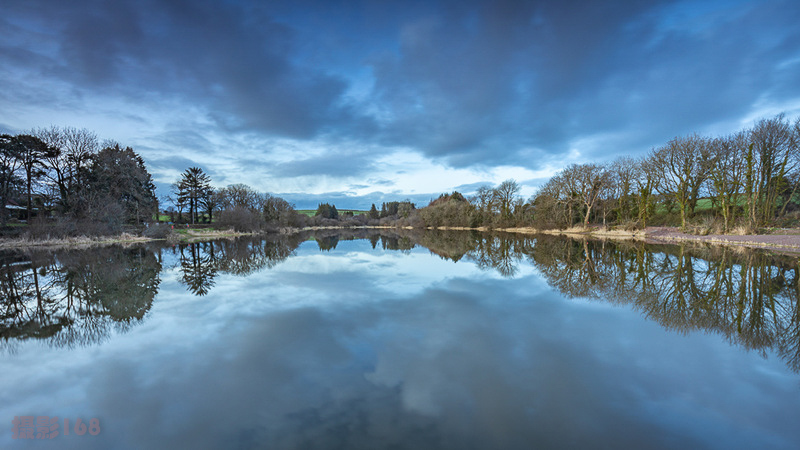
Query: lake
pixel 399 339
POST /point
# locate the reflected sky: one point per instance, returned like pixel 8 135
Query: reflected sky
pixel 357 347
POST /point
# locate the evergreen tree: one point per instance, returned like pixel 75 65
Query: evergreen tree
pixel 193 187
pixel 327 211
pixel 32 153
pixel 9 179
pixel 120 184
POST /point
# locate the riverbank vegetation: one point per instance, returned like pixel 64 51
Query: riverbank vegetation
pixel 61 182
pixel 736 183
pixel 745 180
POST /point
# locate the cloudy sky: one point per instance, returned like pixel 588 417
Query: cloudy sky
pixel 360 102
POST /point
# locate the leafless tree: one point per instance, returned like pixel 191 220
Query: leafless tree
pixel 587 181
pixel 727 173
pixel 240 195
pixel 68 168
pixel 503 196
pixel 683 165
pixel 770 158
pixel 646 179
pixel 623 171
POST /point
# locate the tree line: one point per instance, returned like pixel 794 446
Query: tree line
pixel 194 200
pixel 68 175
pixel 237 206
pixel 747 179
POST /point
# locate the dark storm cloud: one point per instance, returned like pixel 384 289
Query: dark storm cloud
pixel 478 83
pixel 233 58
pixel 464 82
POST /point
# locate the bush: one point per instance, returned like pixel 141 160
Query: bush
pixel 241 219
pixel 157 231
pixel 628 225
pixel 705 225
pixel 64 227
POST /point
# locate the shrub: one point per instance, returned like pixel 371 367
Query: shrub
pixel 157 231
pixel 241 219
pixel 64 227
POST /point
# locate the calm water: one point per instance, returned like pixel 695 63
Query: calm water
pixel 438 340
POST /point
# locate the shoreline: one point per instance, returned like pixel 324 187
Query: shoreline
pixel 83 242
pixel 788 241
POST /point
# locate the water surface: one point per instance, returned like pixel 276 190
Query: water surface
pixel 434 340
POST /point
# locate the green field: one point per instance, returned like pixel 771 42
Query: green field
pixel 703 204
pixel 311 212
pixel 307 212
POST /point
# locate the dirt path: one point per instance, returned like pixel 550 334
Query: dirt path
pixel 783 239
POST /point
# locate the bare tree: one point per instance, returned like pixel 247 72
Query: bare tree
pixel 177 201
pixel 727 173
pixel 682 165
pixel 646 179
pixel 69 167
pixel 587 181
pixel 503 195
pixel 623 171
pixel 482 200
pixel 240 195
pixel 211 201
pixel 770 157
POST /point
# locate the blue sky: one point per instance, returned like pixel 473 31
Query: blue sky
pixel 361 102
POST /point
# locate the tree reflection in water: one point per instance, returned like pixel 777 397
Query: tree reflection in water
pixel 749 296
pixel 752 298
pixel 75 297
pixel 200 262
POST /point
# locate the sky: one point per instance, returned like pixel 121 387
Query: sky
pixel 363 102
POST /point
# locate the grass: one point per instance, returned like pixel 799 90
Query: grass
pixel 78 241
pixel 703 204
pixel 312 212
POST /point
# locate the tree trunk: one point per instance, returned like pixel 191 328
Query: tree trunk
pixel 28 191
pixel 586 219
pixel 683 216
pixel 724 215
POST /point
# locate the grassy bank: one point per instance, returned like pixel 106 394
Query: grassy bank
pixel 73 242
pixel 782 239
pixel 172 237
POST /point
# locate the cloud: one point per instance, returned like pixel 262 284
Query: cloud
pixel 479 83
pixel 362 348
pixel 342 164
pixel 350 200
pixel 234 59
pixel 298 91
pixel 472 187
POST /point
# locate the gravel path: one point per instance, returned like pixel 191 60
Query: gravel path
pixel 788 239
